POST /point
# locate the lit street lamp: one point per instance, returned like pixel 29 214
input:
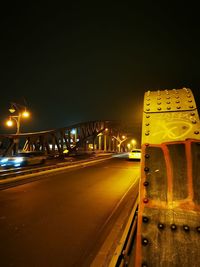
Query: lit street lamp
pixel 17 118
pixel 133 141
pixel 120 140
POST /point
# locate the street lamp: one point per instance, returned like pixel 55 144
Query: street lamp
pixel 120 140
pixel 133 141
pixel 17 118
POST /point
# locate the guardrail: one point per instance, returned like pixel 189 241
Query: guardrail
pixel 122 252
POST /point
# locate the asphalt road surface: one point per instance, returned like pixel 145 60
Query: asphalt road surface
pixel 61 219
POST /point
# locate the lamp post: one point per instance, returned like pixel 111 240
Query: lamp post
pixel 105 139
pixel 120 140
pixel 17 118
pixel 22 113
pixel 128 145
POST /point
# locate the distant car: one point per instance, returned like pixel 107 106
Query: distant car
pixel 135 154
pixel 23 159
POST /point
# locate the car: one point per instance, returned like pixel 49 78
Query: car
pixel 23 159
pixel 135 154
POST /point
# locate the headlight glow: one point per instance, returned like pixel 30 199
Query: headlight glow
pixel 18 160
pixel 17 165
pixel 4 160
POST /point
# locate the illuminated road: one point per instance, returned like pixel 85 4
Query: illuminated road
pixel 60 220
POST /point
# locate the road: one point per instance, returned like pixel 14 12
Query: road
pixel 62 218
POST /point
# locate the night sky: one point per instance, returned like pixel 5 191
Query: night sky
pixel 82 62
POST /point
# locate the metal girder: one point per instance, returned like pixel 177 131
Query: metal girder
pixel 168 233
pixel 54 141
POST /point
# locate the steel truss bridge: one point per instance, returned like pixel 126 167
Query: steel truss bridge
pixel 168 217
pixel 96 134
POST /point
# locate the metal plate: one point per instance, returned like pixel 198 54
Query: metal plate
pixel 168 233
pixel 164 122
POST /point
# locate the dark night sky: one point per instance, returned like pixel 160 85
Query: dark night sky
pixel 81 62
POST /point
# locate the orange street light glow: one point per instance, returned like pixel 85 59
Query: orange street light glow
pixel 25 114
pixel 9 123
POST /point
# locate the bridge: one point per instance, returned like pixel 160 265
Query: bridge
pixel 94 135
pixel 168 217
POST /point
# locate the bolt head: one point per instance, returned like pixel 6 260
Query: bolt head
pixel 161 226
pixel 145 241
pixel 145 219
pixel 186 228
pixel 173 227
pixel 198 229
pixel 146 183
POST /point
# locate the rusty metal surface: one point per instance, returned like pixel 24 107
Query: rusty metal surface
pixel 168 232
pixel 164 246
